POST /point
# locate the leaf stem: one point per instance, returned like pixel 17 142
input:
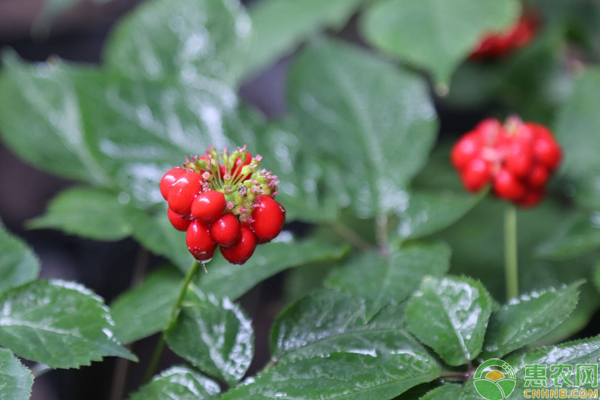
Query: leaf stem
pixel 510 252
pixel 172 320
pixel 382 234
pixel 347 233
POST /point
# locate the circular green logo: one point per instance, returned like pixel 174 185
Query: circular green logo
pixel 495 379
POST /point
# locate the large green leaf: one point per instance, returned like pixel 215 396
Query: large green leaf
pixel 379 280
pixel 312 189
pixel 576 236
pixel 40 118
pixel 60 324
pixel 443 393
pixel 574 353
pixel 577 130
pixel 18 264
pixel 524 320
pixel 280 25
pixel 427 212
pixel 225 279
pixel 91 213
pixel 15 379
pixel 178 383
pixel 199 42
pixel 330 321
pixel 348 376
pixel 432 33
pixel 145 309
pixel 142 128
pixel 450 315
pixel 214 335
pixel 375 121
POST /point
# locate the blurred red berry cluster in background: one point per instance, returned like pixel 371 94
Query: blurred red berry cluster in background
pixel 499 44
pixel 517 159
pixel 223 200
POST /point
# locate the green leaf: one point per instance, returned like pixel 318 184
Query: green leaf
pixel 527 319
pixel 280 25
pixel 341 375
pixel 157 234
pixel 574 353
pixel 427 212
pixel 214 335
pixel 15 379
pixel 199 42
pixel 576 129
pixel 143 128
pixel 225 279
pixel 312 189
pixel 327 322
pixel 91 213
pixel 432 33
pixel 178 383
pixel 145 309
pixel 578 235
pixel 443 393
pixel 60 324
pixel 450 315
pixel 18 264
pixel 50 134
pixel 375 121
pixel 380 280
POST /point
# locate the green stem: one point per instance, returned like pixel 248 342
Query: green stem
pixel 510 252
pixel 172 320
pixel 382 234
pixel 355 239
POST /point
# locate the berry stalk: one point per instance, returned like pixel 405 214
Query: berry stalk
pixel 510 252
pixel 172 320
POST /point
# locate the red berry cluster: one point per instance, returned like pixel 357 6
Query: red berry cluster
pixel 516 158
pixel 499 44
pixel 223 200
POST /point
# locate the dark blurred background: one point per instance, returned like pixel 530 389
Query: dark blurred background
pixel 79 35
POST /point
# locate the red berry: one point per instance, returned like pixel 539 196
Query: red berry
pixel 239 164
pixel 208 206
pixel 547 152
pixel 476 175
pixel 226 230
pixel 518 157
pixel 538 176
pixel 466 149
pixel 532 197
pixel 199 241
pixel 507 186
pixel 183 192
pixel 168 179
pixel 179 222
pixel 269 217
pixel 242 250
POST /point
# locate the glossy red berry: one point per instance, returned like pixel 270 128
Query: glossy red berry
pixel 208 206
pixel 532 197
pixel 476 175
pixel 179 222
pixel 226 230
pixel 183 192
pixel 547 152
pixel 243 249
pixel 519 157
pixel 538 176
pixel 199 241
pixel 465 150
pixel 268 219
pixel 507 186
pixel 168 179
